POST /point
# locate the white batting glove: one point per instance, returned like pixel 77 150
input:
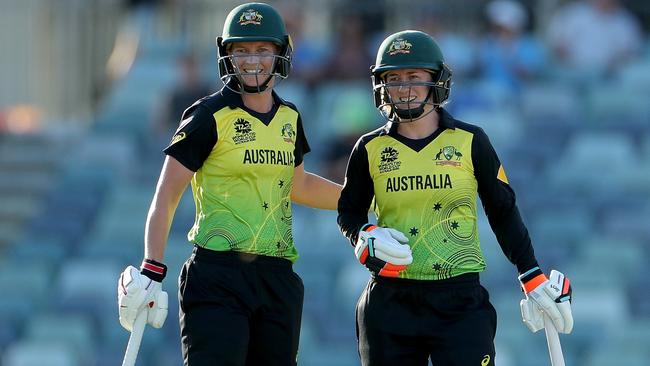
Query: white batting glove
pixel 550 296
pixel 532 315
pixel 384 251
pixel 137 291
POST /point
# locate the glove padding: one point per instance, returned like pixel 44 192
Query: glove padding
pixel 531 315
pixel 383 250
pixel 137 292
pixel 550 296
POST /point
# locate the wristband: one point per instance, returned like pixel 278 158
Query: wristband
pixel 368 227
pixel 531 279
pixel 153 269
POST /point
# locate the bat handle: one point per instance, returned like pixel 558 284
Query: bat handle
pixel 133 347
pixel 553 341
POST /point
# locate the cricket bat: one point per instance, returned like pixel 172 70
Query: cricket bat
pixel 133 346
pixel 553 341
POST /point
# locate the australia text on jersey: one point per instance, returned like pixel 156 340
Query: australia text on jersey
pixel 268 156
pixel 418 182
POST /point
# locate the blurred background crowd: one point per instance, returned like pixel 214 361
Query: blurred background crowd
pixel 92 90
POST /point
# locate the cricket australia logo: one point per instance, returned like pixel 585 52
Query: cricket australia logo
pixel 250 16
pixel 389 161
pixel 243 132
pixel 399 46
pixel 288 134
pixel 451 156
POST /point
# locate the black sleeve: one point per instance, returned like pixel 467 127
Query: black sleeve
pixel 194 139
pixel 356 196
pixel 302 146
pixel 499 204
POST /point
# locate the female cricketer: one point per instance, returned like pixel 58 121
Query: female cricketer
pixel 242 150
pixel 424 170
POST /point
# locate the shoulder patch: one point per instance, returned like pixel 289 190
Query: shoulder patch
pixel 501 175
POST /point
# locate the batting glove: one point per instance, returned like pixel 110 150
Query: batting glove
pixel 383 250
pixel 141 290
pixel 531 315
pixel 550 296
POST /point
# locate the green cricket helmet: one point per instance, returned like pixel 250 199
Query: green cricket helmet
pixel 253 22
pixel 409 49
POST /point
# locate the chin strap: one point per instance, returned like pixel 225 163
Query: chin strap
pixel 413 113
pixel 235 84
pixel 258 89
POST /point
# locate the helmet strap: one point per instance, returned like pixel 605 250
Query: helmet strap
pixel 235 82
pixel 255 89
pixel 409 115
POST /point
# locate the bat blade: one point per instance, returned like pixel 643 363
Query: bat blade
pixel 553 341
pixel 133 346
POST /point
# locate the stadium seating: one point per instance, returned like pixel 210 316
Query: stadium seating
pixel 73 207
pixel 40 353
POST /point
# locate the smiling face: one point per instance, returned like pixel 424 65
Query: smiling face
pixel 408 88
pixel 409 77
pixel 254 61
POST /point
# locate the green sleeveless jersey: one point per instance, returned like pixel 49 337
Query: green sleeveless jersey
pixel 243 163
pixel 428 190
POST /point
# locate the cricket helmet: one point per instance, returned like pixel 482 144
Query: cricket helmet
pixel 409 49
pixel 252 22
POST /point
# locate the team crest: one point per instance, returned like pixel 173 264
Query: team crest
pixel 399 46
pixel 243 132
pixel 388 160
pixel 450 154
pixel 288 134
pixel 250 16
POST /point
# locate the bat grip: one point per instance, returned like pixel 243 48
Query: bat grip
pixel 133 346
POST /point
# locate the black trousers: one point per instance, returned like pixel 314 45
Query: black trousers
pixel 239 309
pixel 406 322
